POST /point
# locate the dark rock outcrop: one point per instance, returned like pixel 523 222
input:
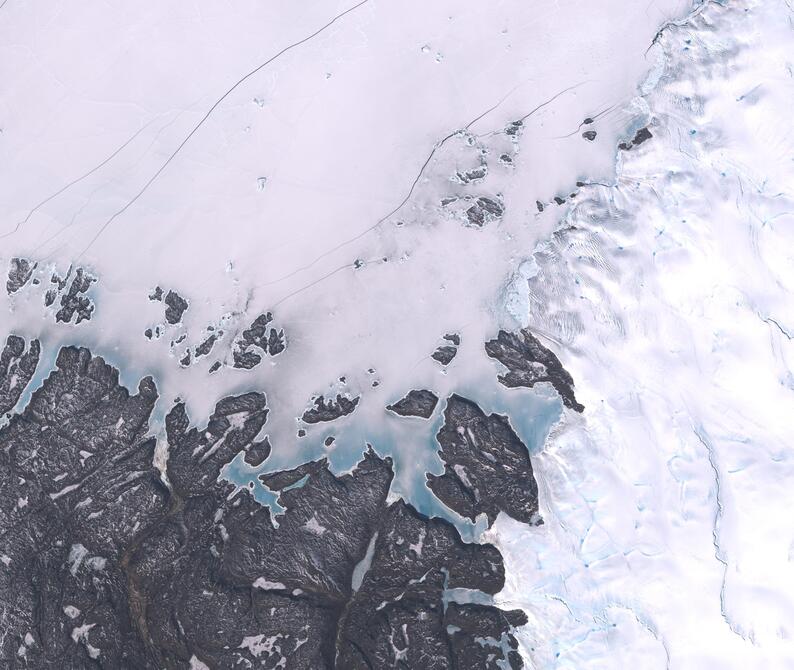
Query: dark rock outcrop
pixel 107 563
pixel 642 135
pixel 472 176
pixel 453 337
pixel 195 458
pixel 17 367
pixel 331 409
pixel 176 306
pixel 486 466
pixel 528 362
pixel 397 616
pixel 76 485
pixel 444 354
pixel 419 403
pixel 484 210
pixel 74 302
pixel 513 129
pixel 20 271
pixel 258 340
pixel 479 635
pixel 206 346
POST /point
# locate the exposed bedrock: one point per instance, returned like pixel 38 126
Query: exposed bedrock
pixel 397 617
pixel 105 562
pixel 76 485
pixel 330 410
pixel 74 303
pixel 444 354
pixel 486 466
pixel 20 270
pixel 418 402
pixel 258 340
pixel 175 308
pixel 17 366
pixel 642 135
pixel 528 362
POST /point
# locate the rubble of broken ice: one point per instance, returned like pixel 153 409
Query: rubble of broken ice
pixel 108 561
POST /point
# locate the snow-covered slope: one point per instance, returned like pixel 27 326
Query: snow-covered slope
pixel 668 539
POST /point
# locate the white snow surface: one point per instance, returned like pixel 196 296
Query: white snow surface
pixel 341 126
pixel 134 143
pixel 667 540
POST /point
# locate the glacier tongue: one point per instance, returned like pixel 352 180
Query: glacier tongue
pixel 667 540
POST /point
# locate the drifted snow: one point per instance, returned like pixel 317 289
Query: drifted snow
pixel 259 644
pixel 314 526
pixel 80 634
pixel 71 611
pixel 262 583
pixel 197 664
pixel 363 566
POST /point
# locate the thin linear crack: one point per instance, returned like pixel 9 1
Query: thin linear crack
pixel 203 119
pixel 678 23
pixel 74 181
pixel 769 319
pixel 323 278
pixel 719 553
pixel 587 122
pixel 422 169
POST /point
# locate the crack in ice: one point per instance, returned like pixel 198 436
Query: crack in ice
pixel 206 116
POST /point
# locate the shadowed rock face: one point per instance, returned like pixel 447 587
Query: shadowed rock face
pixel 108 564
pixel 484 210
pixel 74 302
pixel 486 466
pixel 397 617
pixel 528 362
pixel 444 354
pixel 642 135
pixel 420 403
pixel 19 273
pixel 176 306
pixel 259 339
pixel 329 410
pixel 76 484
pixel 16 369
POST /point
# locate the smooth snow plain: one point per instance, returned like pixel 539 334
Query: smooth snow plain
pixel 340 128
pixel 666 293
